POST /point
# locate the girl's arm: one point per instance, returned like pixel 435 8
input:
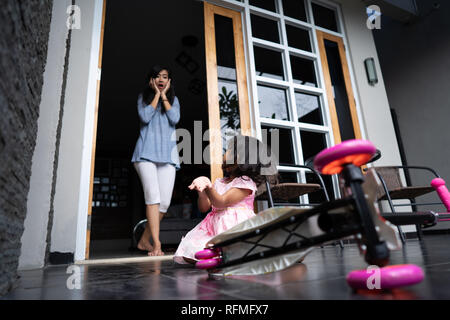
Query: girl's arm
pixel 200 184
pixel 232 196
pixel 203 202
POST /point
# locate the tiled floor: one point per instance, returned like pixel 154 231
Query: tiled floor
pixel 320 276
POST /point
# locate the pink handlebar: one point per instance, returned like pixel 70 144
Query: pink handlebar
pixel 439 185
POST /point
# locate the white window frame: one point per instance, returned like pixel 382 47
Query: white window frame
pixel 288 83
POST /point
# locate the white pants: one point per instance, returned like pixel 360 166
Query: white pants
pixel 157 181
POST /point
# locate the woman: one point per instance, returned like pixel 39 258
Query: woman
pixel 155 156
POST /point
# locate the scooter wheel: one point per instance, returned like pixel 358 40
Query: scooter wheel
pixel 389 277
pixel 208 263
pixel 206 254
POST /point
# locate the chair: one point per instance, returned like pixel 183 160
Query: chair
pixel 393 188
pixel 287 191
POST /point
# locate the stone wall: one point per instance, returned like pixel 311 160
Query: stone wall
pixel 24 31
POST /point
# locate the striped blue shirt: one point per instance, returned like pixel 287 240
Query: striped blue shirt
pixel 157 138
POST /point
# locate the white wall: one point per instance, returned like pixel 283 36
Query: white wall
pixel 374 104
pixel 73 175
pixel 38 204
pixel 373 100
pixel 416 60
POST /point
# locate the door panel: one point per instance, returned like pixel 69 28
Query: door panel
pixel 228 103
pixel 341 101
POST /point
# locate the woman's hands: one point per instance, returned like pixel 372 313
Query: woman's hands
pixel 166 88
pixel 154 86
pixel 200 184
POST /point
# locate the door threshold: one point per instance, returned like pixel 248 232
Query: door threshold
pixel 124 260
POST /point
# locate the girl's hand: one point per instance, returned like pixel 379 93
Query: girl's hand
pixel 200 184
pixel 167 87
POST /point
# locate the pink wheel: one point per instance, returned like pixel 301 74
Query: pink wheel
pixel 356 152
pixel 206 254
pixel 390 277
pixel 208 263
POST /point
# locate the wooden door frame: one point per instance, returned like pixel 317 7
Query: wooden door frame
pixel 213 94
pixel 321 36
pixel 215 138
pixel 94 139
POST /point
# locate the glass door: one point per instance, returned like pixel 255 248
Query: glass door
pixel 338 86
pixel 228 105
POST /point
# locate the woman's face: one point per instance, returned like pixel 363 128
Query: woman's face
pixel 161 79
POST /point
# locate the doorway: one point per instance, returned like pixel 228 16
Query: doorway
pixel 138 35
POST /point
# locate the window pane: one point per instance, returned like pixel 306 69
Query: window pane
pixel 298 38
pixel 324 17
pixel 284 145
pixel 319 196
pixel 308 108
pixel 268 63
pixel 303 71
pixel 312 143
pixel 295 9
pixel 288 177
pixel 264 4
pixel 272 103
pixel 265 28
pixel 226 72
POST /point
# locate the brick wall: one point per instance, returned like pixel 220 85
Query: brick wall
pixel 24 31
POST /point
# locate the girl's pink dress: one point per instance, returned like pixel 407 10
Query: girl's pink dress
pixel 218 220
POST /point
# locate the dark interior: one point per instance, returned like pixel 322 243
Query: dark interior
pixel 139 34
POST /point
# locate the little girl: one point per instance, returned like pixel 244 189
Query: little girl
pixel 231 197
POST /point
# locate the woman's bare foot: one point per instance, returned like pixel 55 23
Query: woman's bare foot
pixel 156 251
pixel 144 245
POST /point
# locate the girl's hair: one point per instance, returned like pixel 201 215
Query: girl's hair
pixel 247 160
pixel 148 93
